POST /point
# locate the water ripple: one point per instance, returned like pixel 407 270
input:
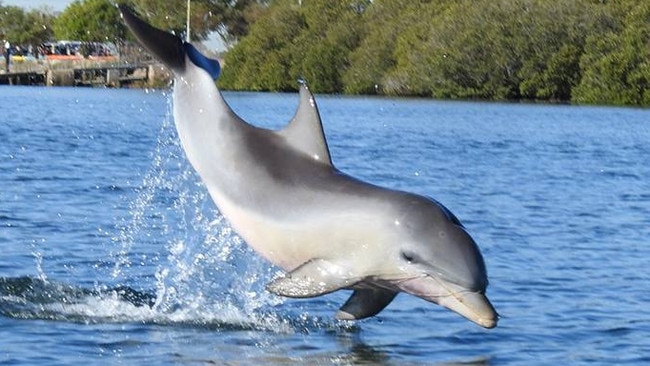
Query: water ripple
pixel 101 216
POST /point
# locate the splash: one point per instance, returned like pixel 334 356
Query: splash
pixel 206 273
pixel 142 208
pixel 176 261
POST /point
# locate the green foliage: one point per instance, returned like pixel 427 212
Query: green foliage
pixel 617 64
pixel 331 32
pixel 25 27
pixel 587 51
pixel 266 54
pixel 231 18
pixel 532 52
pixel 385 22
pixel 293 41
pixel 90 20
pixel 99 20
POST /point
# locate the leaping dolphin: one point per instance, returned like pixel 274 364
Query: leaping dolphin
pixel 281 193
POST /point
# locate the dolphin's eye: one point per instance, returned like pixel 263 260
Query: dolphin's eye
pixel 407 256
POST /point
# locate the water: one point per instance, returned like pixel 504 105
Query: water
pixel 113 253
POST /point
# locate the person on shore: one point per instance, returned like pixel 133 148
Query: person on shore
pixel 7 55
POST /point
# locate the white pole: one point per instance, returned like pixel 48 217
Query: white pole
pixel 187 27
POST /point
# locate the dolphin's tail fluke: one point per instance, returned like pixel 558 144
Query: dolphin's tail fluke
pixel 166 47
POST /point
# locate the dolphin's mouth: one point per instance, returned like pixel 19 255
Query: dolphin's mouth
pixel 473 305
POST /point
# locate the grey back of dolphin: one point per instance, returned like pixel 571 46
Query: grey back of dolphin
pixel 284 197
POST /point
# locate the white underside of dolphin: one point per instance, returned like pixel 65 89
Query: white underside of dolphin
pixel 281 193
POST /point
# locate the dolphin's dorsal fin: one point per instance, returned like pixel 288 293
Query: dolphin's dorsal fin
pixel 305 131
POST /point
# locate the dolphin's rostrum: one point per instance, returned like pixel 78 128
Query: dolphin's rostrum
pixel 281 193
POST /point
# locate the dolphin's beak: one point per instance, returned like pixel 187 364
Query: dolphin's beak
pixel 473 305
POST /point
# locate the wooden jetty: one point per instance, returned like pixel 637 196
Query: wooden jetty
pixel 23 78
pixel 116 76
pixel 82 75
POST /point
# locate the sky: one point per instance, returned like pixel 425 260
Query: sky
pixel 57 5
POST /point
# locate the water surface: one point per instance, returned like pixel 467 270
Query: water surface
pixel 113 253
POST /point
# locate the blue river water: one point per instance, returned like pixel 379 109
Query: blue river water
pixel 111 252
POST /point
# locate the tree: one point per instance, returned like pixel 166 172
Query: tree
pixel 375 54
pixel 311 40
pixel 99 20
pixel 417 39
pixel 590 51
pixel 230 18
pixel 25 28
pixel 237 17
pixel 616 65
pixel 262 60
pixel 457 49
pixel 91 21
pixel 554 35
pixel 322 50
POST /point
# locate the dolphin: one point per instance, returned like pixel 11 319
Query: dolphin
pixel 283 196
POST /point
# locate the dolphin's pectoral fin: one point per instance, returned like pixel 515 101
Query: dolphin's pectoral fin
pixel 365 303
pixel 305 131
pixel 314 278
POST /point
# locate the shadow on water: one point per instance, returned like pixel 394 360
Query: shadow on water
pixel 349 348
